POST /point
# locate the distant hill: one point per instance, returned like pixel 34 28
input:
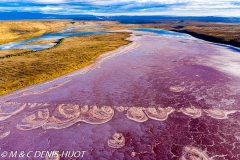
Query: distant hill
pixel 156 19
pixel 122 19
pixel 31 16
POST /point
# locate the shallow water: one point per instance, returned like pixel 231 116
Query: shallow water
pixel 170 98
pixel 181 35
pixel 163 32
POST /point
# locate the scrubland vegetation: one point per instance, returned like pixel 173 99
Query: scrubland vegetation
pixel 27 68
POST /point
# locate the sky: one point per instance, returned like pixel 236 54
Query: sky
pixel 227 8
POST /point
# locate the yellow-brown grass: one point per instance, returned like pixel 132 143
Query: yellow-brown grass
pixel 70 54
pixel 10 52
pixel 21 30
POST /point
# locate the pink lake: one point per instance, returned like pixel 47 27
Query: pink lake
pixel 169 97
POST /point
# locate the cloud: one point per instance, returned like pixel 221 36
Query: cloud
pixel 48 1
pixel 126 7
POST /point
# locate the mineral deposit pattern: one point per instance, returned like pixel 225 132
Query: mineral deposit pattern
pixel 156 98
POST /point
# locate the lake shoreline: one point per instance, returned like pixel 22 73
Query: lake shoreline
pixel 208 38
